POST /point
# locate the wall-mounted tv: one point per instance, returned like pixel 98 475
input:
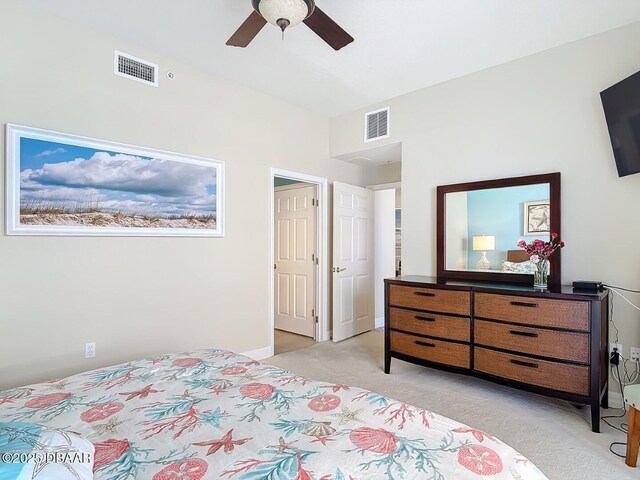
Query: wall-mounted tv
pixel 621 104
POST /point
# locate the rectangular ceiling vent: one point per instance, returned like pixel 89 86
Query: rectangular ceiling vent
pixel 376 124
pixel 134 68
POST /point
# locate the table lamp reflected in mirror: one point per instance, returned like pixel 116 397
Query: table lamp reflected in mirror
pixel 483 244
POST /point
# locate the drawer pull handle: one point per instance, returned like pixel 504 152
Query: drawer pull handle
pixel 525 364
pixel 425 344
pixel 425 319
pixel 524 304
pixel 523 334
pixel 424 294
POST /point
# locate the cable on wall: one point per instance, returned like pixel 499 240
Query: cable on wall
pixel 625 379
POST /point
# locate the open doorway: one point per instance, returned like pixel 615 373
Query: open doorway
pixel 388 246
pixel 383 175
pixel 298 250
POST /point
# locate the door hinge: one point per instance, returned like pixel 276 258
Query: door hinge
pixel 313 315
pixel 315 202
pixel 315 259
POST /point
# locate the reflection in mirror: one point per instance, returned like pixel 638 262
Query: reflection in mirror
pixel 484 226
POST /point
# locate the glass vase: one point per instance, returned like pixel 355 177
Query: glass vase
pixel 541 274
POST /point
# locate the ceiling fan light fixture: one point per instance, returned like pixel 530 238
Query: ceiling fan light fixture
pixel 284 13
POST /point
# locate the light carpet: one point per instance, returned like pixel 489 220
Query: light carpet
pixel 553 434
pixel 284 342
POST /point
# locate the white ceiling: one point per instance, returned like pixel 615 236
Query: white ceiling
pixel 400 45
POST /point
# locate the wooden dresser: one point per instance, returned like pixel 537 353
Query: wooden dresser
pixel 552 343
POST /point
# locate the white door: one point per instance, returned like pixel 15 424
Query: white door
pixel 353 268
pixel 295 268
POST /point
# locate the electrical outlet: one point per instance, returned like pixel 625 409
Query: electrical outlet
pixel 635 354
pixel 615 345
pixel 90 350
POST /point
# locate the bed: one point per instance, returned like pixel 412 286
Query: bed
pixel 518 262
pixel 215 414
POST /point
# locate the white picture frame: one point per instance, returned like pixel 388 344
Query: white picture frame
pixel 537 217
pixel 81 186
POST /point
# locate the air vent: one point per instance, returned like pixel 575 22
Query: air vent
pixel 135 68
pixel 376 124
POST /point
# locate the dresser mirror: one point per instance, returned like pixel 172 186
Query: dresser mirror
pixel 480 223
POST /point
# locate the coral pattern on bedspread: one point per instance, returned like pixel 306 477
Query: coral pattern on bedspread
pixel 214 414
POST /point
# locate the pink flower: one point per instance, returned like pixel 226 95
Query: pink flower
pixel 376 440
pixel 539 249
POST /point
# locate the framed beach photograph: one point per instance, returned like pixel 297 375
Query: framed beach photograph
pixel 537 217
pixel 61 184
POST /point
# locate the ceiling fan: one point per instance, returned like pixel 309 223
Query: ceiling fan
pixel 288 13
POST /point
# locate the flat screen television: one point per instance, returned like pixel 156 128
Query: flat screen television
pixel 621 104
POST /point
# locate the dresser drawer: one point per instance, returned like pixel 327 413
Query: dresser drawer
pixel 439 351
pixel 557 376
pixel 446 301
pixel 535 341
pixel 544 312
pixel 435 325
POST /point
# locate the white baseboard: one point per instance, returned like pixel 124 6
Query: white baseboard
pixel 259 354
pixel 379 322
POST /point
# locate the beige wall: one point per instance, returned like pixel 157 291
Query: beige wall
pixel 141 296
pixel 534 115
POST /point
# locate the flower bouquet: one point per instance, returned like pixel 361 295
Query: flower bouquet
pixel 539 252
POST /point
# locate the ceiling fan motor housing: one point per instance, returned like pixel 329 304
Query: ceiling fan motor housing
pixel 284 13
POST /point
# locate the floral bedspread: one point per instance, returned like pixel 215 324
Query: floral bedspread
pixel 214 414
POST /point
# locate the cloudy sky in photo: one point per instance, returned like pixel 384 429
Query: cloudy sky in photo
pixel 66 175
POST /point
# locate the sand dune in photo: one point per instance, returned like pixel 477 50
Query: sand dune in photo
pixel 106 219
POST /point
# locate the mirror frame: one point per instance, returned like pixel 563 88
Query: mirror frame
pixel 553 179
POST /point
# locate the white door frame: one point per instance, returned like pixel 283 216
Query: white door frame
pixel 322 231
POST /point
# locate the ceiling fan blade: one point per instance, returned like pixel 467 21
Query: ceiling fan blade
pixel 328 30
pixel 247 31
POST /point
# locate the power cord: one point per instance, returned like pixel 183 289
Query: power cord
pixel 627 379
pixel 615 289
pixel 621 428
pixel 616 357
pixel 621 288
pixel 625 298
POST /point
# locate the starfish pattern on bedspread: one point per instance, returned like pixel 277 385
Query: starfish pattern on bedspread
pixel 214 414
